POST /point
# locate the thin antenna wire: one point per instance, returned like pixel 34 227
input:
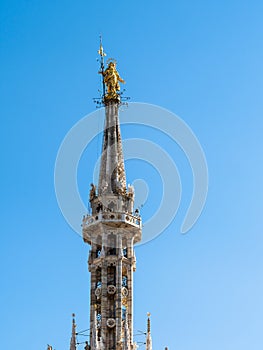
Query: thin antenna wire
pixel 102 67
pixel 102 55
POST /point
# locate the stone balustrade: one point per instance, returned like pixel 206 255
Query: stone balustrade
pixel 90 220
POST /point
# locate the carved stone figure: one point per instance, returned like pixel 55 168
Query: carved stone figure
pixel 92 193
pixel 130 191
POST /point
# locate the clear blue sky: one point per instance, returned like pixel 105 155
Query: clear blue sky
pixel 203 61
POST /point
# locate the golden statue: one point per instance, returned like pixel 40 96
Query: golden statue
pixel 111 79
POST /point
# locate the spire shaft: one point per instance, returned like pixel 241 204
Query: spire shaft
pixel 148 335
pixel 112 179
pixel 73 342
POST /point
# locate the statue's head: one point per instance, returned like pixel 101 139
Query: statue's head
pixel 111 62
pixel 112 65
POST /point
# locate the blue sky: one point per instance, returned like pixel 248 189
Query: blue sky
pixel 203 61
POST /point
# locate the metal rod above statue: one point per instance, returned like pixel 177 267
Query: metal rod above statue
pixel 110 78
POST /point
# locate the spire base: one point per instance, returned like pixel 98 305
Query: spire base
pixel 111 98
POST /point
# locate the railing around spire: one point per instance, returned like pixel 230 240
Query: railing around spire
pixel 90 220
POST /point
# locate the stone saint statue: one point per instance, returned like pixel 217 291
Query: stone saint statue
pixel 111 80
pixel 92 193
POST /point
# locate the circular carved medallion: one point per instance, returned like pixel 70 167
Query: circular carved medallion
pixel 98 292
pixel 111 322
pixel 111 289
pixel 125 291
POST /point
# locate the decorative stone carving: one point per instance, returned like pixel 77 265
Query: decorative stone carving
pixel 124 291
pixel 130 191
pixel 98 292
pixel 111 322
pixel 92 193
pixel 111 205
pixel 111 289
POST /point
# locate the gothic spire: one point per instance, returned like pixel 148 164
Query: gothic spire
pixel 112 178
pixel 73 342
pixel 112 228
pixel 148 334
